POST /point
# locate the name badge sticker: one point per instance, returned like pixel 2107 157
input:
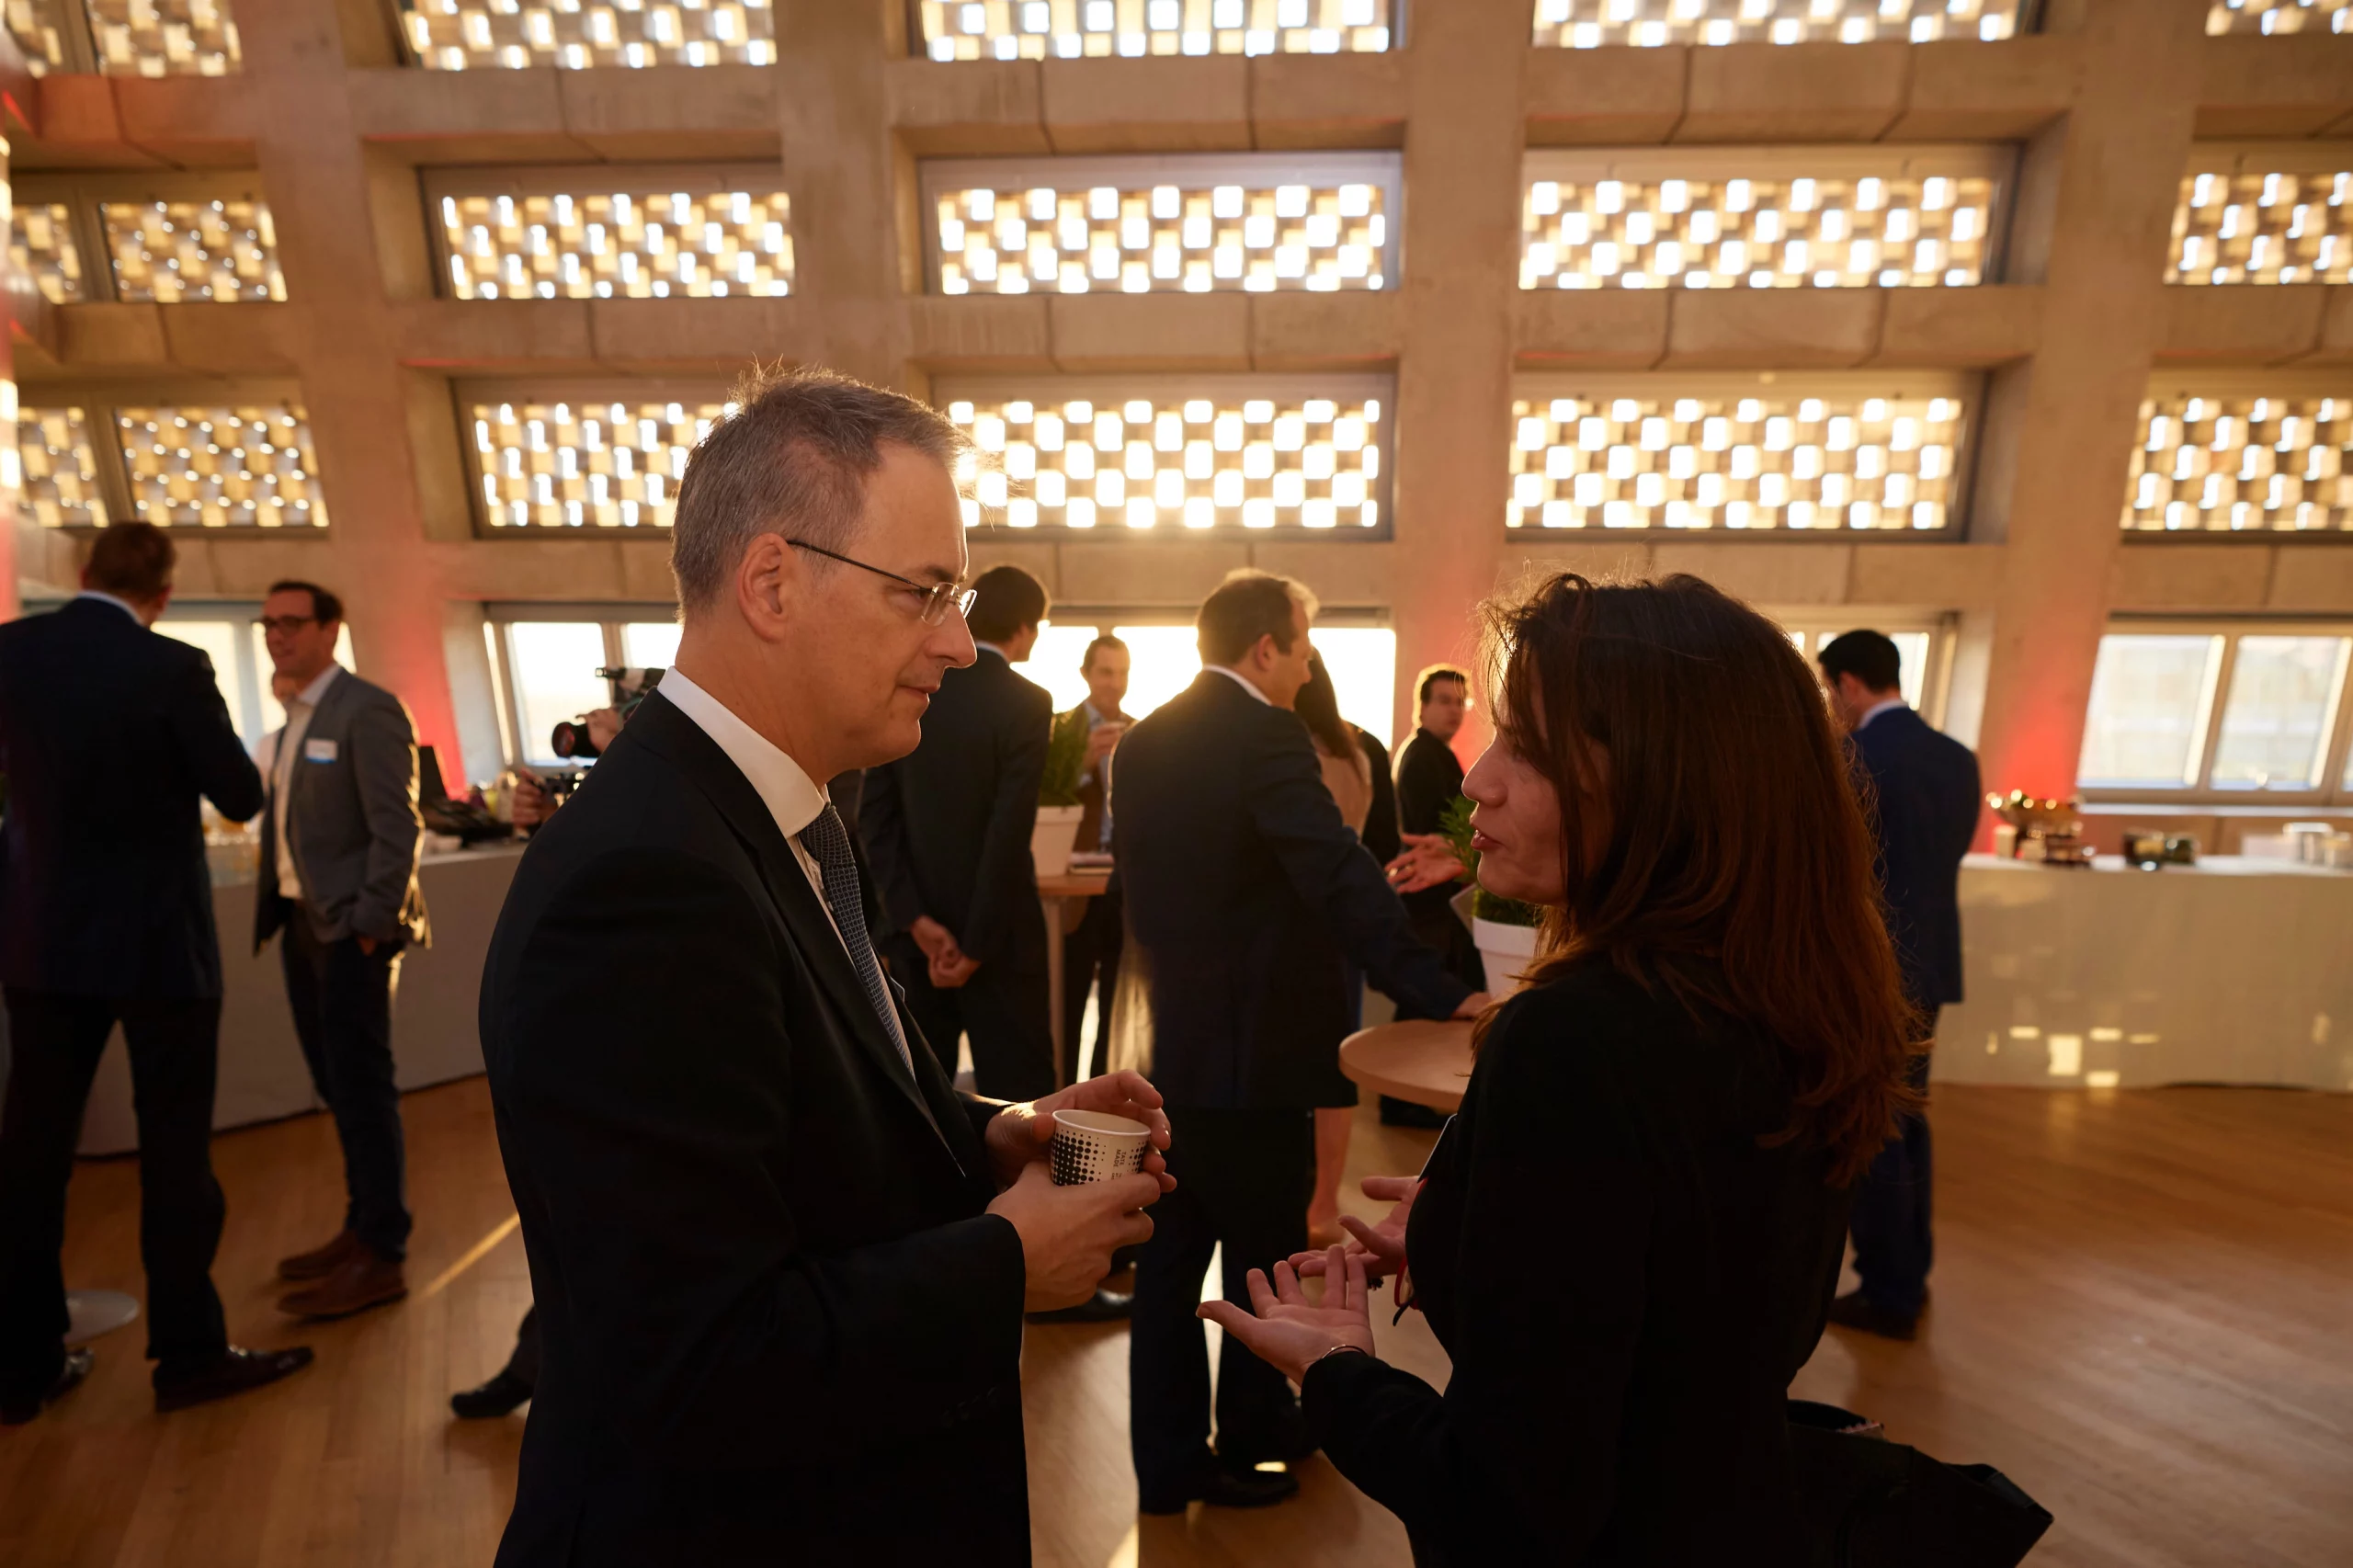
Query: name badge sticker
pixel 318 751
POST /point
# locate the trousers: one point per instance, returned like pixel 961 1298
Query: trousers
pixel 1002 1008
pixel 1894 1244
pixel 342 999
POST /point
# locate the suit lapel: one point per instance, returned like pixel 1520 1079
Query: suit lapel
pixel 671 732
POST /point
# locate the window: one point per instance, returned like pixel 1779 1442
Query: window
pixel 1068 29
pixel 1165 659
pixel 127 38
pixel 1179 455
pixel 650 644
pixel 544 660
pixel 231 635
pixel 605 456
pixel 608 233
pixel 1258 222
pixel 1922 652
pixel 2279 16
pixel 167 238
pixel 41 246
pixel 1653 24
pixel 1664 451
pixel 1723 218
pixel 2222 713
pixel 475 35
pixel 2275 216
pixel 2262 456
pixel 202 465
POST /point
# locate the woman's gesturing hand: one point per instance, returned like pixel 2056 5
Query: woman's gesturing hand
pixel 1381 1249
pixel 1290 1333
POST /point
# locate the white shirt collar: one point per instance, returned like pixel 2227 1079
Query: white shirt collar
pixel 1891 702
pixel 1238 678
pixel 791 795
pixel 309 695
pixel 103 597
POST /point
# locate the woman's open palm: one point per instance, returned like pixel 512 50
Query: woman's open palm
pixel 1290 1333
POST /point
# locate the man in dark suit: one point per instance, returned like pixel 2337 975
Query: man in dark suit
pixel 1091 950
pixel 947 832
pixel 109 735
pixel 780 1265
pixel 1924 801
pixel 1247 896
pixel 340 847
pixel 1429 776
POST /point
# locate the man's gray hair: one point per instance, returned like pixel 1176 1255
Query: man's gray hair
pixel 793 458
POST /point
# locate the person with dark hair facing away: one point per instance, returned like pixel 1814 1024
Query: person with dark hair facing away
pixel 1247 897
pixel 947 832
pixel 1923 801
pixel 340 844
pixel 109 736
pixel 1628 1237
pixel 1429 777
pixel 1091 948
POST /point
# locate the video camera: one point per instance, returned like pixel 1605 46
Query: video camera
pixel 630 686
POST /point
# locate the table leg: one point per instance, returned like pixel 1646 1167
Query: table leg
pixel 1053 906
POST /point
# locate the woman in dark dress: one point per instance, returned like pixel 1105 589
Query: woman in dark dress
pixel 1628 1237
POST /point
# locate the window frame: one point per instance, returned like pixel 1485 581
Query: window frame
pixel 1384 169
pixel 2332 791
pixel 99 401
pixel 501 618
pixel 82 193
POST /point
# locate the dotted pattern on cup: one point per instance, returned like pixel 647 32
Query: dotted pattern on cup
pixel 1076 1161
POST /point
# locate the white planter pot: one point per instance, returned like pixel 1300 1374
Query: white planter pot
pixel 1506 950
pixel 1051 840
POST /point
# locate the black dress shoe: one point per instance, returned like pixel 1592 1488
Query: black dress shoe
pixel 232 1371
pixel 1223 1488
pixel 1104 1306
pixel 78 1362
pixel 1854 1310
pixel 1287 1443
pixel 500 1396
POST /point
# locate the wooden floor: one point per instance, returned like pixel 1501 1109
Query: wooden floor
pixel 2144 1313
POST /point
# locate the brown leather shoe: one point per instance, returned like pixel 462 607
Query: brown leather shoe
pixel 319 1262
pixel 363 1279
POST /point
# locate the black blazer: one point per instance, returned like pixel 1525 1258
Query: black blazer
pixel 777 1325
pixel 1380 840
pixel 1617 1389
pixel 1247 895
pixel 109 735
pixel 947 827
pixel 1428 779
pixel 1924 801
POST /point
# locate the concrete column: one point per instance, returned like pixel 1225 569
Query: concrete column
pixel 314 170
pixel 1463 142
pixel 2074 412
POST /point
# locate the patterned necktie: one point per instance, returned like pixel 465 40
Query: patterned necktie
pixel 828 842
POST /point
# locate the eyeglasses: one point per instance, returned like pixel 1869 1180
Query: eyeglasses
pixel 285 625
pixel 936 597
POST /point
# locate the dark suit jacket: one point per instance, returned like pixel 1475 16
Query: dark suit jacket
pixel 947 828
pixel 1428 779
pixel 1380 840
pixel 109 733
pixel 1925 802
pixel 1247 895
pixel 1617 1394
pixel 777 1325
pixel 352 814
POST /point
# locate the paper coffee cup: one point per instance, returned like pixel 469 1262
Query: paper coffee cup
pixel 1091 1146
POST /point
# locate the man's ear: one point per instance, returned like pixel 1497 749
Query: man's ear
pixel 765 580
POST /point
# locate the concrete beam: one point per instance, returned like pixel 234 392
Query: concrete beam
pixel 2299 84
pixel 1806 92
pixel 2241 324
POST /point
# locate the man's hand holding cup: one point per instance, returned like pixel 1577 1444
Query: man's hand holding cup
pixel 1069 1231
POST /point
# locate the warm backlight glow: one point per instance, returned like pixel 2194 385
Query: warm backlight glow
pixel 591 464
pixel 2241 464
pixel 474 35
pixel 593 243
pixel 1070 30
pixel 2263 227
pixel 1653 24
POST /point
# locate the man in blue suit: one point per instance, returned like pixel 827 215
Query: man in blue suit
pixel 1924 805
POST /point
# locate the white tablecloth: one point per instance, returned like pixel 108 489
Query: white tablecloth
pixel 2230 972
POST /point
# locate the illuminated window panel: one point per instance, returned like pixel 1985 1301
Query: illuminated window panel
pixel 59 483
pixel 2243 462
pixel 571 235
pixel 40 247
pixel 127 38
pixel 2256 225
pixel 1176 457
pixel 480 35
pixel 1842 454
pixel 1721 220
pixel 1261 223
pixel 1068 29
pixel 1653 24
pixel 171 251
pixel 2279 16
pixel 594 461
pixel 203 467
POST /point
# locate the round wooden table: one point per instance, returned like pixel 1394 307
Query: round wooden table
pixel 1425 1062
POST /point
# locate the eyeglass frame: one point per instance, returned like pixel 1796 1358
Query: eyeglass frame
pixel 285 625
pixel 937 597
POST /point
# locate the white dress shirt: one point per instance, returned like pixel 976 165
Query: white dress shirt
pixel 1238 678
pixel 299 710
pixel 792 798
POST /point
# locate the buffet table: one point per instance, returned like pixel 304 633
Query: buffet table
pixel 262 1076
pixel 2230 971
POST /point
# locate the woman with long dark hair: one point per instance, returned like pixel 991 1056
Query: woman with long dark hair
pixel 1627 1238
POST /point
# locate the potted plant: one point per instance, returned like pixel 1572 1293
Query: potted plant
pixel 1058 807
pixel 1503 928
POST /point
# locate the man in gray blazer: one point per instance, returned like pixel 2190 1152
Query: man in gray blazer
pixel 339 845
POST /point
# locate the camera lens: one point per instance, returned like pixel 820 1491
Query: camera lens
pixel 572 740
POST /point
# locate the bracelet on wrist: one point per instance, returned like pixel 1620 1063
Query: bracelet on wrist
pixel 1337 1350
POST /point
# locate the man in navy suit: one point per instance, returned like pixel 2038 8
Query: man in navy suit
pixel 1925 802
